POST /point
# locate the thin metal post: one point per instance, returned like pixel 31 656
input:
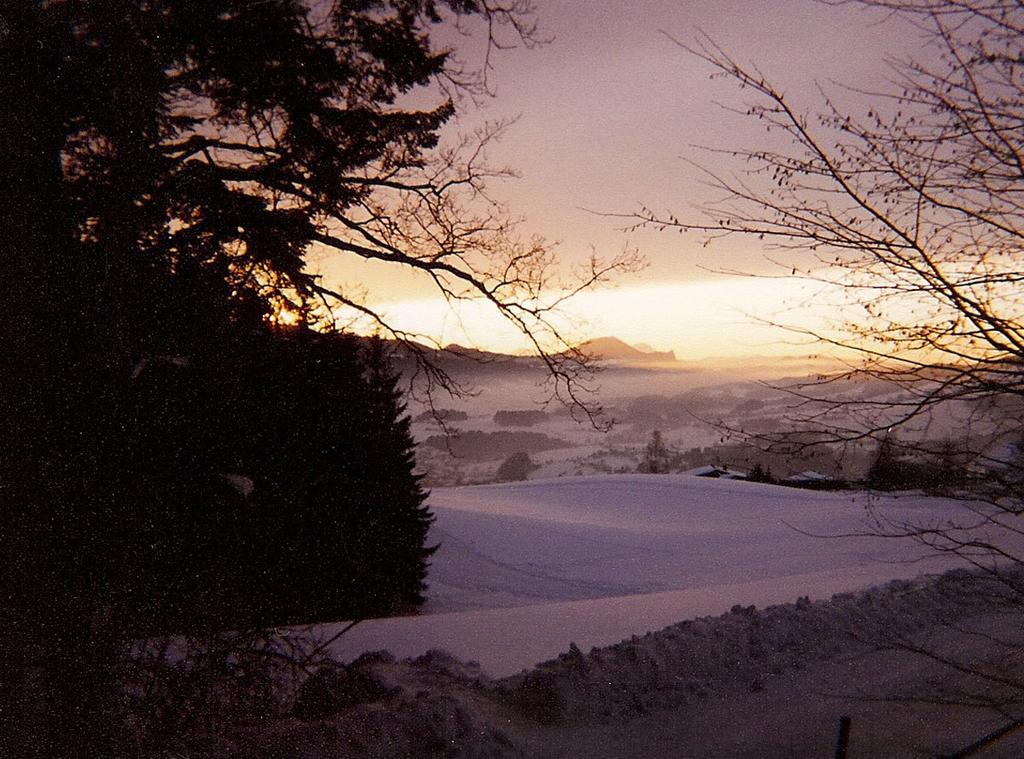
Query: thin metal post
pixel 844 737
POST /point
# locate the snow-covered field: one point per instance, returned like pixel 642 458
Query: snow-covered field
pixel 543 594
pixel 524 569
pixel 578 615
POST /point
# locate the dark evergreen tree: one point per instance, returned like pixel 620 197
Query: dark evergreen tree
pixel 889 470
pixel 167 166
pixel 392 474
pixel 516 467
pixel 280 487
pixel 656 459
pixel 761 474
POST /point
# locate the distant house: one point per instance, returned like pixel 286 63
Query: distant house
pixel 716 472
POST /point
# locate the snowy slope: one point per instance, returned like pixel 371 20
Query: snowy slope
pixel 616 535
pixel 523 569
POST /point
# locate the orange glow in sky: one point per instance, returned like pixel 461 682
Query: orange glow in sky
pixel 610 115
pixel 697 320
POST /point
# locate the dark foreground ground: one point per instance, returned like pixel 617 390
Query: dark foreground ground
pixel 750 683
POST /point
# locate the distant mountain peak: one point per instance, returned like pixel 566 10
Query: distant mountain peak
pixel 613 349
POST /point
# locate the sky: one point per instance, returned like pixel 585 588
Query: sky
pixel 609 114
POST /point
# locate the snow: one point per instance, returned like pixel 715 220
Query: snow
pixel 525 568
pixel 710 470
pixel 636 594
pixel 507 640
pixel 242 485
pixel 809 475
pixel 746 683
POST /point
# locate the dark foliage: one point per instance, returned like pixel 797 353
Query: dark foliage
pixel 332 689
pixel 446 415
pixel 271 478
pixel 526 418
pixel 889 470
pixel 474 445
pixel 761 474
pixel 171 459
pixel 938 468
pixel 516 467
pixel 657 458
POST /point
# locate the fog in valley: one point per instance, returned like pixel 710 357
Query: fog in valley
pixel 734 416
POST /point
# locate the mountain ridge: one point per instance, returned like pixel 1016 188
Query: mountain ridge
pixel 610 348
